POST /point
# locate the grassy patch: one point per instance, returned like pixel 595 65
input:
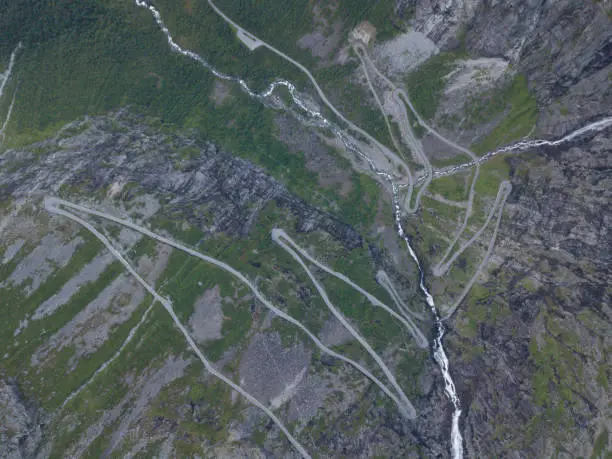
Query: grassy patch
pixel 375 324
pixel 192 279
pixel 452 187
pixel 475 313
pixel 350 99
pixel 558 372
pixel 426 83
pixel 522 110
pixel 492 173
pixel 410 367
pixel 601 446
pixel 38 331
pixel 157 338
pixel 361 204
pixel 12 296
pixel 56 374
pixel 280 24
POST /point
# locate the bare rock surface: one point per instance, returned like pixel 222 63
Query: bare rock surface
pixel 12 250
pixel 50 254
pixel 207 318
pixel 403 53
pixel 20 432
pixel 232 190
pixel 270 372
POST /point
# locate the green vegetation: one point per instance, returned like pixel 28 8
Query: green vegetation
pixel 280 24
pixel 380 13
pixel 215 410
pixel 601 446
pixel 57 372
pixel 121 58
pixel 410 367
pixel 602 376
pixel 492 173
pixel 558 372
pixel 38 331
pixel 417 128
pixel 157 339
pixel 426 84
pixel 186 278
pixel 27 304
pixel 350 99
pixel 520 108
pixel 361 204
pixel 454 187
pixel 476 312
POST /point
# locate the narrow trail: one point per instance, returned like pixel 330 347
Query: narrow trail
pixel 52 203
pixel 453 307
pixel 444 265
pixel 383 279
pixel 279 234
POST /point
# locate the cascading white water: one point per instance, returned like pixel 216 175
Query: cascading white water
pixel 437 346
pixel 318 119
pixel 524 145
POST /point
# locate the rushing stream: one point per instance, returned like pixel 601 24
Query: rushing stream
pixel 437 347
pixel 524 145
pixel 316 118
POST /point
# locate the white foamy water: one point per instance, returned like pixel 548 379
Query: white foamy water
pixel 437 346
pixel 525 145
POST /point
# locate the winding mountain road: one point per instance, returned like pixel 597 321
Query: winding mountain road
pixel 52 204
pixel 383 279
pixel 504 189
pixel 278 235
pixel 502 194
pixel 393 158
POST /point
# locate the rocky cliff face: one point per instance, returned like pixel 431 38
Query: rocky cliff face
pixel 564 47
pixel 185 173
pixel 534 378
pixel 543 368
pixel 21 431
pixel 131 168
